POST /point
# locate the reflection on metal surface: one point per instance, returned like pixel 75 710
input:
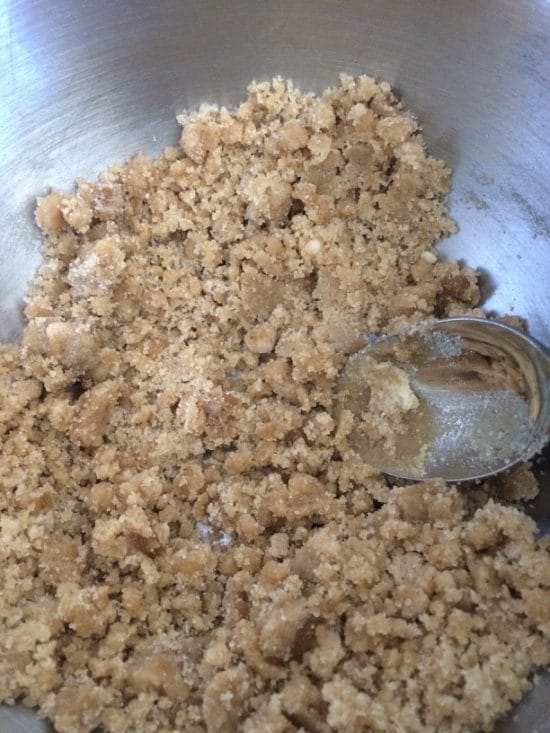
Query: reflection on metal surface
pixel 84 84
pixel 17 719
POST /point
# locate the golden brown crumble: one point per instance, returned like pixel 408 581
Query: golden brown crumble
pixel 187 540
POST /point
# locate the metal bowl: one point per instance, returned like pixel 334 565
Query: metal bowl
pixel 84 84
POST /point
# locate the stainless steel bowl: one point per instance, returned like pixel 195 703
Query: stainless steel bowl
pixel 86 83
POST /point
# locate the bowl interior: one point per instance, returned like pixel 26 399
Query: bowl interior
pixel 91 83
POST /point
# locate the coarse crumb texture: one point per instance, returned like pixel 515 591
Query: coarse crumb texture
pixel 188 542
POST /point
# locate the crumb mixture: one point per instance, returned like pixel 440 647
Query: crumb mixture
pixel 188 541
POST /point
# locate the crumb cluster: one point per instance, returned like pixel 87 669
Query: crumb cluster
pixel 188 541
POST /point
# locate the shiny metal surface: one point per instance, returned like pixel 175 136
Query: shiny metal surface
pixel 87 82
pixel 466 425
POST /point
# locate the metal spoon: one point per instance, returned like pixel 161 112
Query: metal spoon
pixel 472 397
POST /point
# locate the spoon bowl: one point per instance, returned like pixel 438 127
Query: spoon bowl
pixel 459 399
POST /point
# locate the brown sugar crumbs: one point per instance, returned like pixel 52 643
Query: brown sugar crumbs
pixel 188 541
